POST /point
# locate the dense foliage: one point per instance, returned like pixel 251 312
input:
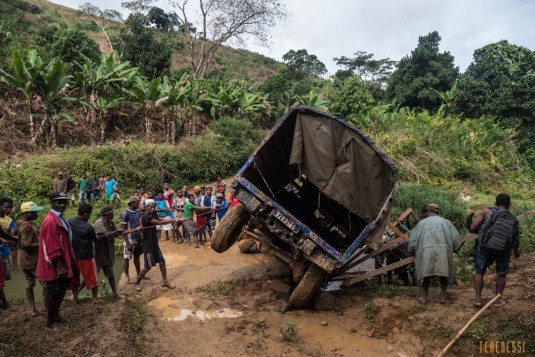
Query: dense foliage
pixel 420 75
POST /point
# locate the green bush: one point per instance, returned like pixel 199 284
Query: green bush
pixel 436 149
pixel 417 196
pixel 198 159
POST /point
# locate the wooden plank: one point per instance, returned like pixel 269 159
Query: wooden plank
pixel 403 216
pixel 398 232
pixel 525 215
pixel 372 254
pixel 376 272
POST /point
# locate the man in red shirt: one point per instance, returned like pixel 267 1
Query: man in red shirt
pixel 54 268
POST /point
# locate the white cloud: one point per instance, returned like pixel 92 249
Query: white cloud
pixel 335 28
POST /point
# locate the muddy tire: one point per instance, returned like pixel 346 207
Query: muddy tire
pixel 307 287
pixel 229 228
pixel 246 244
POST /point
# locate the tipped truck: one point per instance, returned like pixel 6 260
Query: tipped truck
pixel 316 193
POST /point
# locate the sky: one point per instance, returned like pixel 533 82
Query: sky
pixel 335 28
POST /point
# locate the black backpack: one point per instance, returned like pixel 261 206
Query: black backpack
pixel 497 234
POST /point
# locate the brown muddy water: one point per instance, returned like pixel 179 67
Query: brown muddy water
pixel 15 288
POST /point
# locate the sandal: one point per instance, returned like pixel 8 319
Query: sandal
pixel 168 285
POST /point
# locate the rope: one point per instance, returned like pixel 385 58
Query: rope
pixel 172 221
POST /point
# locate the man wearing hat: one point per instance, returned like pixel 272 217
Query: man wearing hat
pixel 105 247
pixel 130 220
pixel 54 268
pixel 220 206
pixel 28 246
pixel 434 240
pixel 60 184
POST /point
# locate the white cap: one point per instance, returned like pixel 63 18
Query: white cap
pixel 149 202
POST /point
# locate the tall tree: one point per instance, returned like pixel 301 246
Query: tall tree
pixel 300 63
pixel 375 72
pixel 138 46
pixel 501 82
pixel 158 18
pixel 422 74
pixel 224 22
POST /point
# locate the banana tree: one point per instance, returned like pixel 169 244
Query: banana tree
pixel 49 82
pixel 101 81
pixel 25 72
pixel 313 99
pixel 147 94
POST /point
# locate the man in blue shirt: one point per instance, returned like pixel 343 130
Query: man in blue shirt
pixel 110 185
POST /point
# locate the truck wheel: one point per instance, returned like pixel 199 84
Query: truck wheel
pixel 229 228
pixel 246 244
pixel 307 287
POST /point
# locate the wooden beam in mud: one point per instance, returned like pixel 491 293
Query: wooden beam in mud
pixel 376 272
pixel 398 232
pixel 373 254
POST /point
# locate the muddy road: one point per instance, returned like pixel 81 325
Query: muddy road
pixel 225 305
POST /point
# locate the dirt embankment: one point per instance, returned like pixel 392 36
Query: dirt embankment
pixel 224 305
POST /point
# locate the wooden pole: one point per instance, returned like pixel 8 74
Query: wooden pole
pixel 452 342
pixel 376 272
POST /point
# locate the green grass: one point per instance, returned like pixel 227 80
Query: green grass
pixel 133 321
pixel 216 289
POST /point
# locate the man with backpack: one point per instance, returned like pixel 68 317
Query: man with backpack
pixel 497 237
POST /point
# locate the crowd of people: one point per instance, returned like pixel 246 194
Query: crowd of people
pixel 61 252
pixel 90 190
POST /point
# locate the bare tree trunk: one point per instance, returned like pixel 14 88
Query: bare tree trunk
pixel 172 130
pixel 148 125
pixel 41 130
pixel 103 121
pixel 32 123
pixel 53 134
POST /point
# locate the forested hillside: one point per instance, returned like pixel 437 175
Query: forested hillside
pixel 90 77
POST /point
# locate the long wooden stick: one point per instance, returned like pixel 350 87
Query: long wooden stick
pixel 452 342
pixel 376 272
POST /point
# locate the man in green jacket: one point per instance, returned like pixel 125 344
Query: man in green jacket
pixel 434 240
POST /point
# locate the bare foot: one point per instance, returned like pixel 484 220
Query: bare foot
pixel 500 302
pixel 137 287
pixel 477 304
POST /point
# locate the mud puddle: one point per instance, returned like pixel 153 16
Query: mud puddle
pixel 174 310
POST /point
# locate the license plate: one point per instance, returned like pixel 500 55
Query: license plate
pixel 286 221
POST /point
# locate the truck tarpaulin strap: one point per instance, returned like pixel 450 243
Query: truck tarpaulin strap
pixel 343 164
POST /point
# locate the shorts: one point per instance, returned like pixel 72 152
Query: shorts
pixel 190 226
pixel 109 197
pixel 29 278
pixel 71 196
pixel 87 268
pixel 484 258
pixel 95 195
pixel 137 250
pixel 7 265
pixel 153 257
pixel 82 195
pixel 201 221
pixel 108 271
